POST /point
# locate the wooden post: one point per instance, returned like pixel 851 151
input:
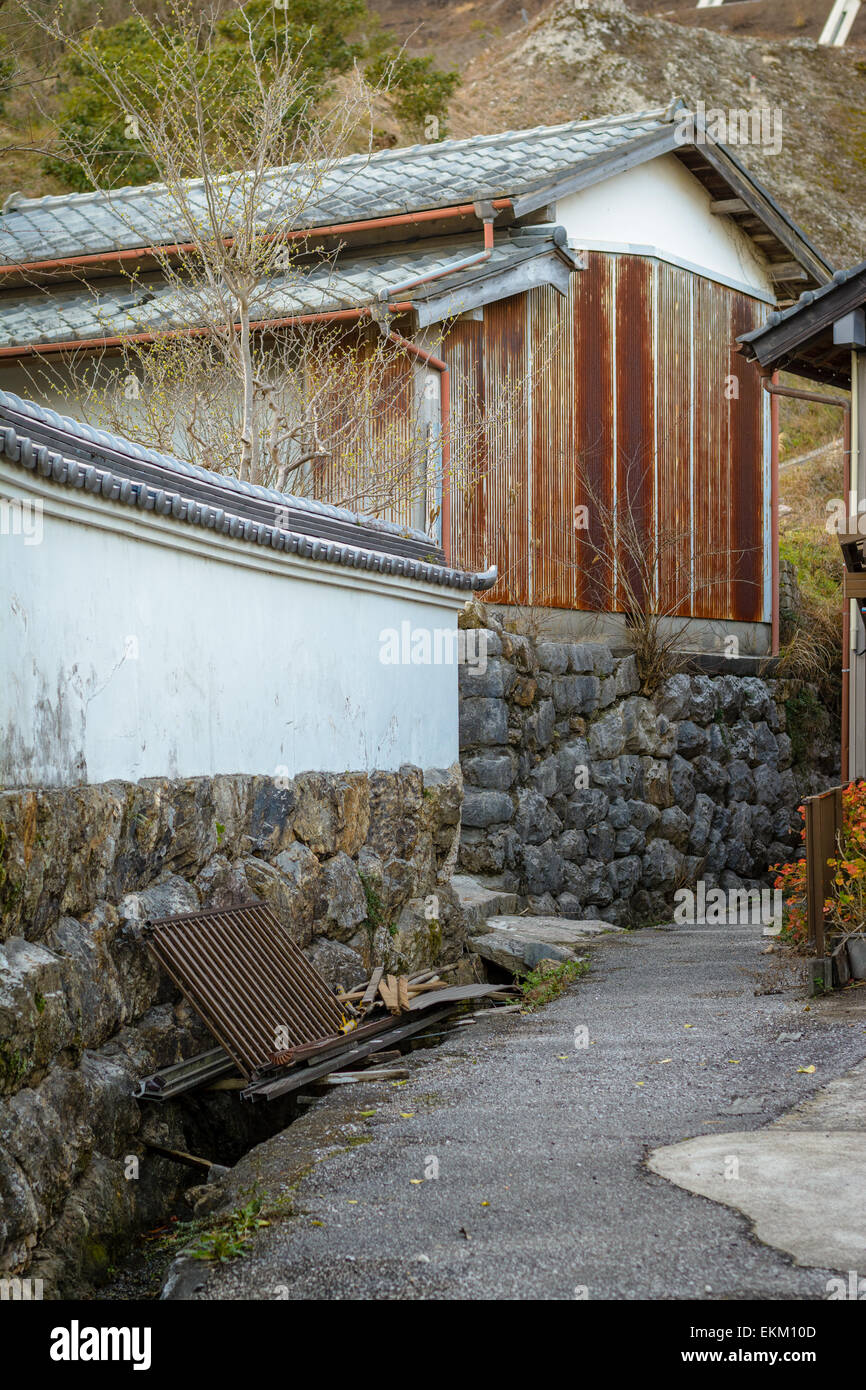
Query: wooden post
pixel 823 825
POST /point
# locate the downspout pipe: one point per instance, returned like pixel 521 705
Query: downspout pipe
pixel 771 385
pixel 487 212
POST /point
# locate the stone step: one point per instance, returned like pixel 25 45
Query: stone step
pixel 519 943
pixel 480 902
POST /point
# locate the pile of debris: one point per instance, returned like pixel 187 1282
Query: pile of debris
pixel 279 1026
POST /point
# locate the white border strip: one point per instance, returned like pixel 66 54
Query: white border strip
pixel 626 248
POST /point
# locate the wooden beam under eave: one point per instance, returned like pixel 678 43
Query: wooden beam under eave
pixel 787 270
pixel 724 207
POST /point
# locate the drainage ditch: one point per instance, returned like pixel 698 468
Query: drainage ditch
pixel 216 1126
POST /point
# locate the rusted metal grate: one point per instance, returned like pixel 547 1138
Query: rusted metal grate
pixel 248 981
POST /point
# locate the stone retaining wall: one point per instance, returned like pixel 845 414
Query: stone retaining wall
pixel 358 867
pixel 591 800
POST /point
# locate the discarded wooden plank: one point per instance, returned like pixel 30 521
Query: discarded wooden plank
pixel 388 991
pixel 368 1074
pixel 505 1009
pixel 317 1052
pixel 379 1058
pixel 313 1053
pixel 368 998
pixel 180 1156
pixel 300 1078
pixel 403 993
pixel 425 975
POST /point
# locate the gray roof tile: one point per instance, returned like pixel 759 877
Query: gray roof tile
pixel 357 187
pixel 97 311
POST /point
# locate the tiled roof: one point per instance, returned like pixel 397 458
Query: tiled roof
pixel 102 310
pixel 355 188
pixel 75 455
pixel 808 297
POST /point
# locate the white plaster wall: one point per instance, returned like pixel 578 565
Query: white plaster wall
pixel 661 205
pixel 133 646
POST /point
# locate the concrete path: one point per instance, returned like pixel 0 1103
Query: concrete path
pixel 512 1164
pixel 802 1180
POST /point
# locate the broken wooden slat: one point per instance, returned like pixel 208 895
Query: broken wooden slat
pixel 370 1074
pixel 388 991
pixel 369 996
pixel 301 1078
pixel 378 1058
pixel 403 993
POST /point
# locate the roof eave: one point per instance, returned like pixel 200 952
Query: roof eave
pixel 549 267
pixel 804 322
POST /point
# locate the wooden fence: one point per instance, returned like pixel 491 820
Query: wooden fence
pixel 823 825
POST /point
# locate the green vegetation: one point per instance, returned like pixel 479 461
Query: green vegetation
pixel 13 1066
pixel 228 1237
pixel 811 620
pixel 375 910
pixel 549 980
pixel 804 425
pixel 811 637
pixel 419 92
pixel 803 715
pixel 98 142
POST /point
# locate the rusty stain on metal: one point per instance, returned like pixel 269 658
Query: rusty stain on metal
pixel 637 400
pixel 247 980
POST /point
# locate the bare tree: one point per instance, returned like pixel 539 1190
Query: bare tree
pixel 332 410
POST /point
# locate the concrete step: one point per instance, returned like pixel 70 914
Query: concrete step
pixel 519 943
pixel 479 902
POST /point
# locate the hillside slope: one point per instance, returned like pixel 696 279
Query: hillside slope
pixel 575 61
pixel 783 19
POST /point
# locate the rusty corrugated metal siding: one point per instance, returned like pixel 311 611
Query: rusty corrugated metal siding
pixel 380 394
pixel 674 434
pixel 635 428
pixel 627 383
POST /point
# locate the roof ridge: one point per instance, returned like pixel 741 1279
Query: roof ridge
pixel 662 113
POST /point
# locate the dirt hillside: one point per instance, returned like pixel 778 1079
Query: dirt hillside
pixel 575 60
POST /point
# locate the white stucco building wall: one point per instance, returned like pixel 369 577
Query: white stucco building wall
pixel 661 208
pixel 132 645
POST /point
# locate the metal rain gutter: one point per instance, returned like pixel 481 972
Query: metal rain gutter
pixel 299 234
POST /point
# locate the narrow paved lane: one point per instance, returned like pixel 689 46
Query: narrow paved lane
pixel 540 1144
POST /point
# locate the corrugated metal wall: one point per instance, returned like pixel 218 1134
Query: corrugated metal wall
pixel 627 398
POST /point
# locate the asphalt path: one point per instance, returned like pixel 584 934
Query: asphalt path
pixel 512 1163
